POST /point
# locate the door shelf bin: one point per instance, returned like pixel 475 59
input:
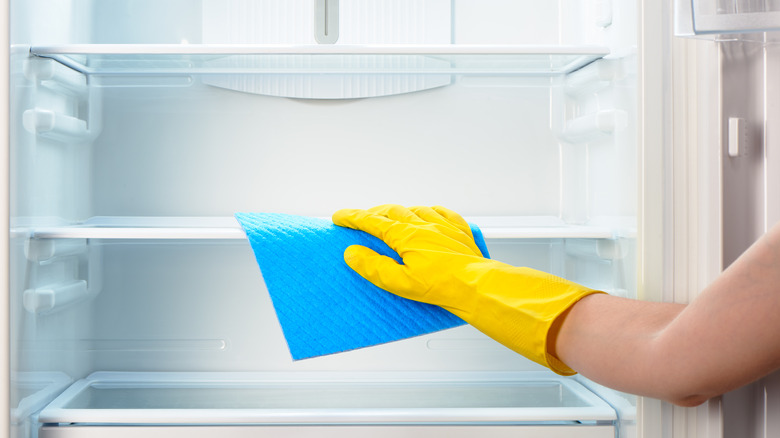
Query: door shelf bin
pixel 710 17
pixel 518 399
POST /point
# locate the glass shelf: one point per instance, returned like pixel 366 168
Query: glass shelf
pixel 227 228
pixel 161 59
pixel 278 398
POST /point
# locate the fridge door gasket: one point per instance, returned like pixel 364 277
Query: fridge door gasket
pixel 328 399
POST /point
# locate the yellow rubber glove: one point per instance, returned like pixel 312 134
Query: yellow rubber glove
pixel 516 306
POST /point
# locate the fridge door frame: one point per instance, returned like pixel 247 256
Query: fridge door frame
pixel 5 404
pixel 680 204
pixel 695 200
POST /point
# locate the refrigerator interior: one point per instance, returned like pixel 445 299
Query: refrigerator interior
pixel 139 127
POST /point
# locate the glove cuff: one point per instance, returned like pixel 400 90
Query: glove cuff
pixel 552 361
pixel 519 307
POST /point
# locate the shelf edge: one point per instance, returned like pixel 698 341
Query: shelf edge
pixel 228 229
pixel 282 49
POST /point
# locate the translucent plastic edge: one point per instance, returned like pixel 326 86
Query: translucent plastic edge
pixel 322 49
pixel 56 412
pixel 77 57
pixel 688 23
pixel 493 227
pixel 50 384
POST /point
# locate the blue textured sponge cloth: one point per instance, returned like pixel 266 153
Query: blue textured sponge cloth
pixel 323 306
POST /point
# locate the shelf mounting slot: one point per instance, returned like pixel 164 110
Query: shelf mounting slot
pixel 326 21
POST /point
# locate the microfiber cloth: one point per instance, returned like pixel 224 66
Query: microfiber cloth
pixel 323 306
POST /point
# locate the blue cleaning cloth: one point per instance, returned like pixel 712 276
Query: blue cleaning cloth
pixel 323 306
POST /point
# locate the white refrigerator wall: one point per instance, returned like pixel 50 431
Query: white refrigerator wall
pixel 183 21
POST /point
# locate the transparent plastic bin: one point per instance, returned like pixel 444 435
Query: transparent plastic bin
pixel 714 17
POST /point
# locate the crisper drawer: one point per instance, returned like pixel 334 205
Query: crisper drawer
pixel 327 404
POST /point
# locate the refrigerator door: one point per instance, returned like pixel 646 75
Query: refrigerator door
pixel 733 106
pixel 751 87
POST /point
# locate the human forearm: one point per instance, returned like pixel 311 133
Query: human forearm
pixel 614 341
pixel 728 337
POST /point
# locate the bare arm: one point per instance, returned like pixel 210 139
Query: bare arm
pixel 727 337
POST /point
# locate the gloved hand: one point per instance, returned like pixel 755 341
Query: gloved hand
pixel 516 306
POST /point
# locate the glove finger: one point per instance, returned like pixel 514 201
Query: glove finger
pixel 376 225
pixel 396 212
pixel 453 218
pixel 452 230
pixel 375 221
pixel 428 214
pixel 382 271
pixel 457 220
